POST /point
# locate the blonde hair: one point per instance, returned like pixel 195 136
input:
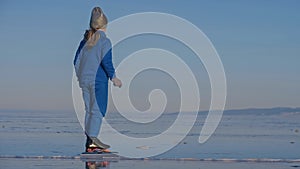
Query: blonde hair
pixel 98 20
pixel 93 39
pixel 88 33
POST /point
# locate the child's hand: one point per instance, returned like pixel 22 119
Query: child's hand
pixel 117 82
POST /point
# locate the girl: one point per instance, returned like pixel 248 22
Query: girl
pixel 93 66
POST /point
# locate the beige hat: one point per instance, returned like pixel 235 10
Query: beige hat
pixel 98 19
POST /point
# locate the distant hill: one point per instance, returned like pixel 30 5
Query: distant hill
pixel 257 111
pixel 263 111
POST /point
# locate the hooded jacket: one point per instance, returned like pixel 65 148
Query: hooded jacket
pixel 94 64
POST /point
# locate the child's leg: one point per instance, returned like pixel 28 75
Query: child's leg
pixel 96 103
pixel 101 91
pixel 86 98
pixel 86 94
pixel 93 117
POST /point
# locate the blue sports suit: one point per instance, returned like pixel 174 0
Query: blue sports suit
pixel 93 68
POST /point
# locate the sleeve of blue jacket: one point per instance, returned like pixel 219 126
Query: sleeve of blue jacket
pixel 82 43
pixel 106 62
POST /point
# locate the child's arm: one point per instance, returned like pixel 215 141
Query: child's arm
pixel 82 43
pixel 106 62
pixel 108 65
pixel 76 61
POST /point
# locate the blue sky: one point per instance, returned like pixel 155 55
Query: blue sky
pixel 258 43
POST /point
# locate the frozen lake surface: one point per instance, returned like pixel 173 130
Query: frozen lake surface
pixel 241 135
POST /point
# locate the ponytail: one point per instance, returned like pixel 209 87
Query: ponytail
pixel 91 36
pixel 89 33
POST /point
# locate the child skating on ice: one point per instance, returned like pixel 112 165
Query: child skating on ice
pixel 94 68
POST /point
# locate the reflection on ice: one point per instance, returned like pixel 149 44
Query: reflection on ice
pixel 96 164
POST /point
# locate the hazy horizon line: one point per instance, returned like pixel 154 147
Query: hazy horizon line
pixel 225 110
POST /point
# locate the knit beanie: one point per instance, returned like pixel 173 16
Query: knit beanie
pixel 98 19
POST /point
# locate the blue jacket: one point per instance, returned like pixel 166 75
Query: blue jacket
pixel 94 64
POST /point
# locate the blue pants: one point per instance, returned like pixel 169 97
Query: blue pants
pixel 95 100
